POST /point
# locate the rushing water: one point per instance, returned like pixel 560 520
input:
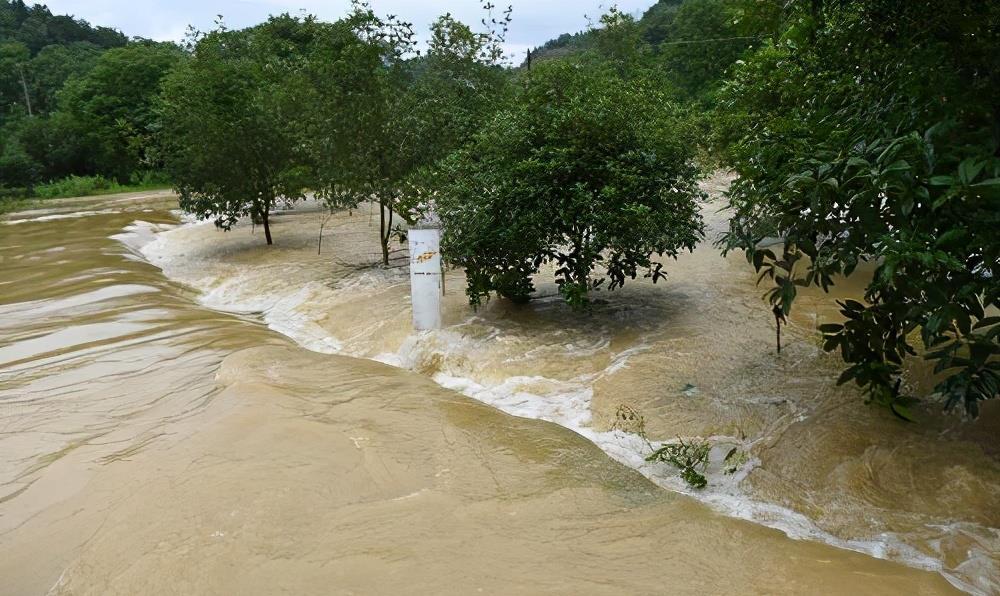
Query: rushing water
pixel 156 437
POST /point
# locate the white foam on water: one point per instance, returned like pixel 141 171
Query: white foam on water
pixel 566 403
pixel 56 216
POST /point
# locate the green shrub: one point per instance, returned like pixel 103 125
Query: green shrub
pixel 77 186
pixel 688 457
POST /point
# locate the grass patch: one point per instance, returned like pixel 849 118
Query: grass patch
pixel 85 186
pixel 12 199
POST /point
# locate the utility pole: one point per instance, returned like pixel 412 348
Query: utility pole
pixel 24 86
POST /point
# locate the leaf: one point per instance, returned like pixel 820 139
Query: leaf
pixel 969 169
pixel 902 412
pixel 787 297
pixel 847 375
pixel 949 236
pixel 942 200
pixel 897 166
pixel 852 306
pixel 942 181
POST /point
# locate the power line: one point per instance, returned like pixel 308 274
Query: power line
pixel 686 41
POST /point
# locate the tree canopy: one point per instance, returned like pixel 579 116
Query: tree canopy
pixel 75 99
pixel 587 170
pixel 226 120
pixel 380 113
pixel 849 157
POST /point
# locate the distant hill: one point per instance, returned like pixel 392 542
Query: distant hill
pixel 655 25
pixel 36 27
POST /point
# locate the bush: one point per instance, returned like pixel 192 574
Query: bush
pixel 589 171
pixel 77 186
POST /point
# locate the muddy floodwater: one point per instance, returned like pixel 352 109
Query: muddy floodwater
pixel 187 411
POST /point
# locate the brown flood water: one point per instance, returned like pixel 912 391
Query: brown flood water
pixel 151 444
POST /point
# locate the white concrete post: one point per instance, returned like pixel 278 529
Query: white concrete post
pixel 425 276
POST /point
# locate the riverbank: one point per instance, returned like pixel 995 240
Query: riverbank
pixel 693 357
pixel 153 445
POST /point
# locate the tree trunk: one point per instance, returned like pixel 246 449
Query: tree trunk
pixel 385 229
pixel 817 18
pixel 24 86
pixel 265 219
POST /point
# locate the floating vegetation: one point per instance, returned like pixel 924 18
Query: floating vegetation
pixel 629 420
pixel 691 458
pixel 735 460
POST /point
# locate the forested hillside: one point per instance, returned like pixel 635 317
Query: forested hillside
pixel 75 100
pixel 693 42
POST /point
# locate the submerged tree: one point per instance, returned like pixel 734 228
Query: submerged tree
pixel 587 170
pixel 352 85
pixel 227 115
pixel 870 131
pixel 379 113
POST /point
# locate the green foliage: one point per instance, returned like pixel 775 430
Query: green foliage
pixel 68 105
pixel 354 80
pixel 691 458
pixel 38 53
pixel 656 21
pixel 701 42
pixel 36 27
pixel 53 66
pixel 13 58
pixel 378 116
pixel 453 91
pixel 77 186
pixel 734 460
pixel 618 41
pixel 586 170
pixel 112 105
pixel 849 157
pixel 227 117
pixel 17 168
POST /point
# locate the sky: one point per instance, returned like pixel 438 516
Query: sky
pixel 535 21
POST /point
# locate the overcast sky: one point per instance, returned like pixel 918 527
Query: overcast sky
pixel 535 21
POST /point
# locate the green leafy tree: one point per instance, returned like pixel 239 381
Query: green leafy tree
pixel 618 40
pixel 227 133
pixel 355 78
pixel 380 115
pixel 14 90
pixel 56 143
pixel 869 132
pixel 17 168
pixel 113 104
pixel 452 90
pixel 587 170
pixel 49 70
pixel 703 41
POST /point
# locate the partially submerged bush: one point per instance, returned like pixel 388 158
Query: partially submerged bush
pixel 691 458
pixel 588 171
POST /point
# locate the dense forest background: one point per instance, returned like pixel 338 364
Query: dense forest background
pixel 75 100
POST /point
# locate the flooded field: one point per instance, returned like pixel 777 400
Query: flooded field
pixel 187 410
